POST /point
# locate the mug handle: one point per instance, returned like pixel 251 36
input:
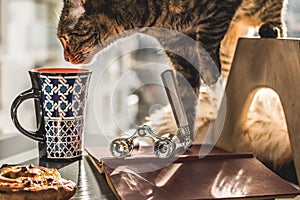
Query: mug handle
pixel 28 94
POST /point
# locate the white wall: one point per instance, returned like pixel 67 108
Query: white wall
pixel 29 30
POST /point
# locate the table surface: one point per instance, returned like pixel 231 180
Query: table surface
pixel 90 184
pixel 18 149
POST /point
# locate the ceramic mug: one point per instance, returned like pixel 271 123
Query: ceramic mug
pixel 60 96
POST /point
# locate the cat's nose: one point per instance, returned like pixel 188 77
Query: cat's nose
pixel 67 58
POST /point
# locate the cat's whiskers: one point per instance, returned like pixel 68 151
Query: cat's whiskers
pixel 56 14
pixel 54 17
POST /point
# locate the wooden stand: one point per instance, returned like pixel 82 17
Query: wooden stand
pixel 272 63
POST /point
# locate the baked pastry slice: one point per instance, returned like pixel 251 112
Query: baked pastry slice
pixel 24 182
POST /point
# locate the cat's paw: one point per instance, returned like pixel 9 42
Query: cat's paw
pixel 268 31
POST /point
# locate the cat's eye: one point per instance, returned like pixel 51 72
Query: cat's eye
pixel 82 27
pixel 82 31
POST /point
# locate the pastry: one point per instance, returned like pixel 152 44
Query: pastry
pixel 22 182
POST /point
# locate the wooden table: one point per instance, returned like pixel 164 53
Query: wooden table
pixel 18 149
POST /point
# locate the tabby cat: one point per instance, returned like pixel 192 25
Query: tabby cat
pixel 87 26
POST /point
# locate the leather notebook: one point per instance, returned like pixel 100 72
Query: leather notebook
pixel 217 175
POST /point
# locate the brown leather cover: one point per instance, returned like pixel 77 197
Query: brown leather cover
pixel 218 175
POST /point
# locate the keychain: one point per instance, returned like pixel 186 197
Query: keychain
pixel 165 145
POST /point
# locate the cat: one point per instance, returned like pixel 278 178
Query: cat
pixel 88 26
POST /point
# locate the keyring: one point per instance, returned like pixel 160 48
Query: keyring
pixel 164 146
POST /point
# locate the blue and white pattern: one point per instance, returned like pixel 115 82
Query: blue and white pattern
pixel 63 100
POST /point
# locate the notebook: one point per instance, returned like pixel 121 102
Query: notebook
pixel 217 175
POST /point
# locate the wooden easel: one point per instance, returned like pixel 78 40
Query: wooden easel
pixel 272 63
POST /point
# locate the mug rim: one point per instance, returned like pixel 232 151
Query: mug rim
pixel 59 70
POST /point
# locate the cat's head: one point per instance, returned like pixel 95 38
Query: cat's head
pixel 84 28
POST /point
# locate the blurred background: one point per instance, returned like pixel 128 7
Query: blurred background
pixel 28 40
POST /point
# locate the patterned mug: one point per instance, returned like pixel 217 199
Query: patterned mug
pixel 60 96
